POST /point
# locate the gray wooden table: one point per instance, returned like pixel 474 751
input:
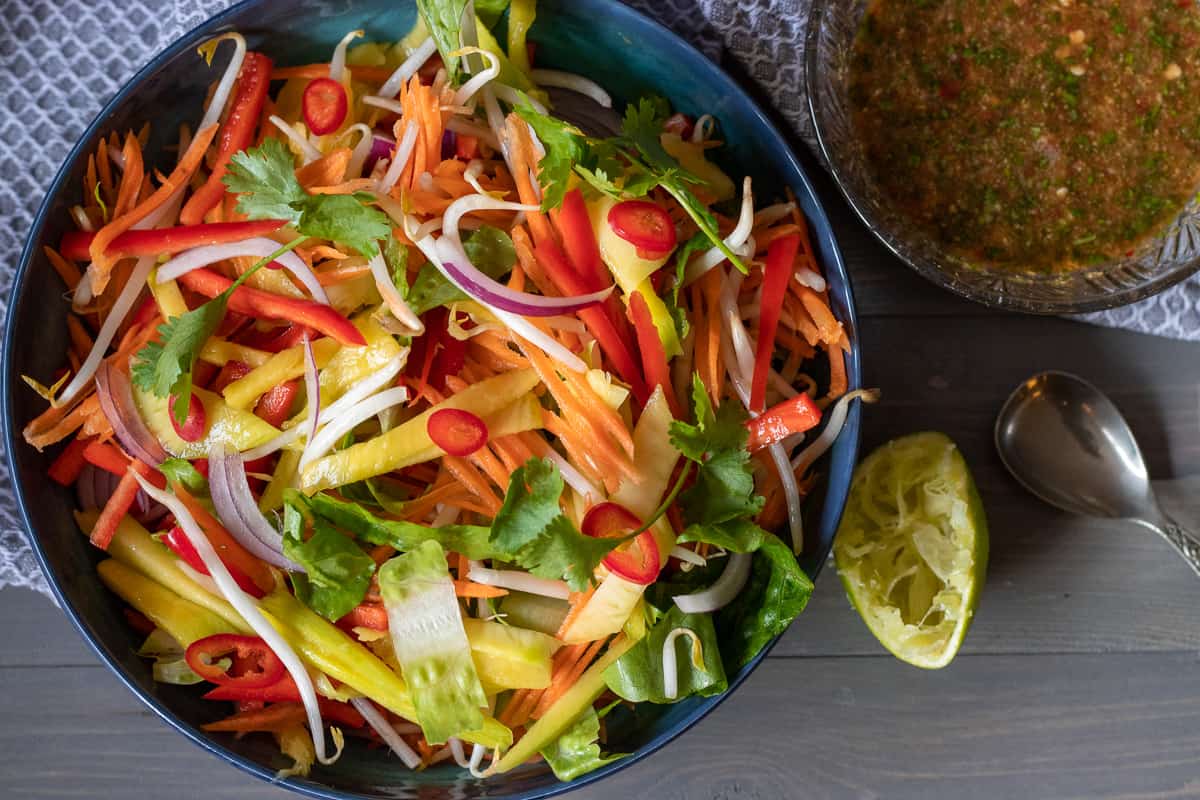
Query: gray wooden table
pixel 1079 679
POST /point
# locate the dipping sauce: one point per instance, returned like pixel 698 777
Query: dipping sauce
pixel 1031 134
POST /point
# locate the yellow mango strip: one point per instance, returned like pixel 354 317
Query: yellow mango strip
pixel 167 296
pixel 283 366
pixel 186 622
pixel 332 651
pixel 282 478
pixel 410 444
pixel 239 429
pixel 134 547
pixel 221 352
pixel 566 709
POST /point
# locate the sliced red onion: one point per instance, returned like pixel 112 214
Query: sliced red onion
pixel 381 147
pixel 312 387
pixel 520 582
pixel 670 666
pixel 238 511
pixel 258 247
pixel 514 322
pixel 337 64
pixel 416 59
pixel 449 143
pixel 391 296
pixel 404 150
pixel 217 105
pixel 116 401
pixel 246 606
pixel 576 83
pixel 459 269
pixel 387 732
pixel 732 579
pixel 335 429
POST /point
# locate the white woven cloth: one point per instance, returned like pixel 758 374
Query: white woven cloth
pixel 60 60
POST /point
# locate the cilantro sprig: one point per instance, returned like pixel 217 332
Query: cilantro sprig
pixel 265 180
pixel 629 165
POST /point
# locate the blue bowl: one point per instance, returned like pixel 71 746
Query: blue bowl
pixel 627 53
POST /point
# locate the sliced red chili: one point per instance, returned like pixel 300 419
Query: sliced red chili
pixel 636 561
pixel 324 105
pixel 643 224
pixel 180 545
pixel 679 124
pixel 252 663
pixel 193 425
pixel 795 415
pixel 458 432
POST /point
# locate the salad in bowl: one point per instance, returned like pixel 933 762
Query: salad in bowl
pixel 406 412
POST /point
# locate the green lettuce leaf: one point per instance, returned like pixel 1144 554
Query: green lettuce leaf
pixel 337 571
pixel 775 594
pixel 577 751
pixel 637 676
pixel 431 643
pixel 490 249
pixel 180 470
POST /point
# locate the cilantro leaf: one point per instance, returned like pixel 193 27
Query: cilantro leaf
pixel 531 527
pixel 337 573
pixel 528 511
pixel 264 178
pixel 180 470
pixel 164 367
pixel 736 535
pixel 344 218
pixel 565 147
pixel 577 751
pixel 562 552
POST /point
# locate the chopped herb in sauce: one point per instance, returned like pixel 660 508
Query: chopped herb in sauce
pixel 1031 134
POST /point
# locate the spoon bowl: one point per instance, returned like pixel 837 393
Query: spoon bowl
pixel 1066 442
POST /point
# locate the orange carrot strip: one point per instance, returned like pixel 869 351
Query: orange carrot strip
pixel 274 718
pixel 523 166
pixel 102 261
pixel 473 481
pixel 327 170
pixel 828 326
pixel 69 273
pixel 472 589
pixel 837 372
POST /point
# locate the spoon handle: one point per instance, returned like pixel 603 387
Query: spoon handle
pixel 1185 542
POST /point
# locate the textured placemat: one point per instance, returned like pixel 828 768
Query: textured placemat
pixel 60 60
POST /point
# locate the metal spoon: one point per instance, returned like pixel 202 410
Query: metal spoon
pixel 1066 442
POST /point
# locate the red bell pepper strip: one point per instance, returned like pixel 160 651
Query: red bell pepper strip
pixel 118 505
pixel 276 404
pixel 157 241
pixel 554 262
pixel 255 302
pixel 275 340
pixel 146 312
pixel 253 664
pixel 466 147
pixel 110 458
pixel 180 545
pixel 794 415
pixel 236 134
pixel 654 357
pixel 70 462
pixel 579 242
pixel 780 257
pixel 227 547
pixel 365 615
pixel 138 621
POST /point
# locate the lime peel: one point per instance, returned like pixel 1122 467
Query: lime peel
pixel 912 547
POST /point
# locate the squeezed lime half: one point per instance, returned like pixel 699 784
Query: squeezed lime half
pixel 912 547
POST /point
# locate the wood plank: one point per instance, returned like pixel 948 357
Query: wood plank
pixel 988 727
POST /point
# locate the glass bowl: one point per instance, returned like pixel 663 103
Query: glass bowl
pixel 1161 260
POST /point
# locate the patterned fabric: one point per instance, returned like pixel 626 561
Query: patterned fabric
pixel 61 59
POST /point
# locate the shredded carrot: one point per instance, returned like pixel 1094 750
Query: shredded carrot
pixel 69 273
pixel 272 719
pixel 827 325
pixel 473 481
pixel 104 168
pixel 102 262
pixel 131 177
pixel 837 372
pixel 80 340
pixel 713 374
pixel 569 678
pixel 326 170
pixel 472 589
pixel 521 154
pixel 345 187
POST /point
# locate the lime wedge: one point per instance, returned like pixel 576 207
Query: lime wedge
pixel 912 547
